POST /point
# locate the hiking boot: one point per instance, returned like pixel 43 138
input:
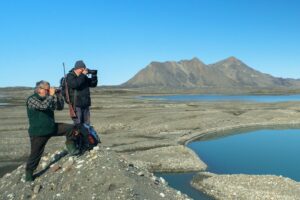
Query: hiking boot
pixel 72 150
pixel 29 176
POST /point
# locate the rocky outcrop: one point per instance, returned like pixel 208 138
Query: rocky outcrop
pixel 165 159
pixel 98 174
pixel 241 186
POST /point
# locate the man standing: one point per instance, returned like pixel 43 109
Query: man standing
pixel 79 90
pixel 42 126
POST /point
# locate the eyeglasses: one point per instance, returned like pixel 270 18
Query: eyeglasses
pixel 46 89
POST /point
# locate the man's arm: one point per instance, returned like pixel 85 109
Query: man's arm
pixel 75 82
pixel 48 103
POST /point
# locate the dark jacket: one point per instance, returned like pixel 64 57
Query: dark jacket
pixel 79 88
pixel 40 112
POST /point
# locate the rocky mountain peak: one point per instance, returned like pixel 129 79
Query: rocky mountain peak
pixel 232 59
pixel 230 72
pixel 194 60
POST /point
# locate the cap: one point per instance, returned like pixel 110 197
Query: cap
pixel 79 64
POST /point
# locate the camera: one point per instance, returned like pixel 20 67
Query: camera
pixel 57 90
pixel 92 71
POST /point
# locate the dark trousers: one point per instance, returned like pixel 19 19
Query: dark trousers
pixel 83 115
pixel 38 144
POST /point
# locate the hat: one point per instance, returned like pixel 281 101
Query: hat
pixel 79 64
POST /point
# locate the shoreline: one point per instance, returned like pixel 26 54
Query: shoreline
pixel 204 135
pixel 213 188
pixel 238 129
pixel 153 134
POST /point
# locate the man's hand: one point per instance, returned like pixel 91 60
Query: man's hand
pixel 85 71
pixel 52 91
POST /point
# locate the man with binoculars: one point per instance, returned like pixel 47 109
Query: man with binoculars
pixel 79 91
pixel 42 125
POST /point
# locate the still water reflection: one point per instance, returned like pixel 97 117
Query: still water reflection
pixel 268 151
pixel 257 152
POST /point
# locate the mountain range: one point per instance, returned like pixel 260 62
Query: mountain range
pixel 227 73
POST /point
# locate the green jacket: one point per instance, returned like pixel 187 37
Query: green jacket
pixel 40 111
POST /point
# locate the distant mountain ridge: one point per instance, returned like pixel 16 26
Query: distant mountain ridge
pixel 227 73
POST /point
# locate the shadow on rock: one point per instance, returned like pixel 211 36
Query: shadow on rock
pixel 56 158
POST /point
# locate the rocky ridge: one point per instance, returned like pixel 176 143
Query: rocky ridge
pixel 226 74
pixel 98 174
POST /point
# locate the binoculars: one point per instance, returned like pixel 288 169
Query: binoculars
pixel 92 71
pixel 57 90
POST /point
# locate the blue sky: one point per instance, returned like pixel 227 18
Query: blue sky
pixel 120 37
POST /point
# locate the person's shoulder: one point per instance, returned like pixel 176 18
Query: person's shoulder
pixel 71 73
pixel 32 97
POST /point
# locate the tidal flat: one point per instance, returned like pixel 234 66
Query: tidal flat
pixel 152 134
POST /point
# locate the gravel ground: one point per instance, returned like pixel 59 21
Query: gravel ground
pixel 148 134
pixel 98 174
pixel 241 186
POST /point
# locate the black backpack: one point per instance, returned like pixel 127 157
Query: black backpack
pixel 93 138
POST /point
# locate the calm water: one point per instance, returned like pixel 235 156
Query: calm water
pixel 181 181
pixel 274 152
pixel 253 98
pixel 257 152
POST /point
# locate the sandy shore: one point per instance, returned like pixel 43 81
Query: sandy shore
pixel 150 133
